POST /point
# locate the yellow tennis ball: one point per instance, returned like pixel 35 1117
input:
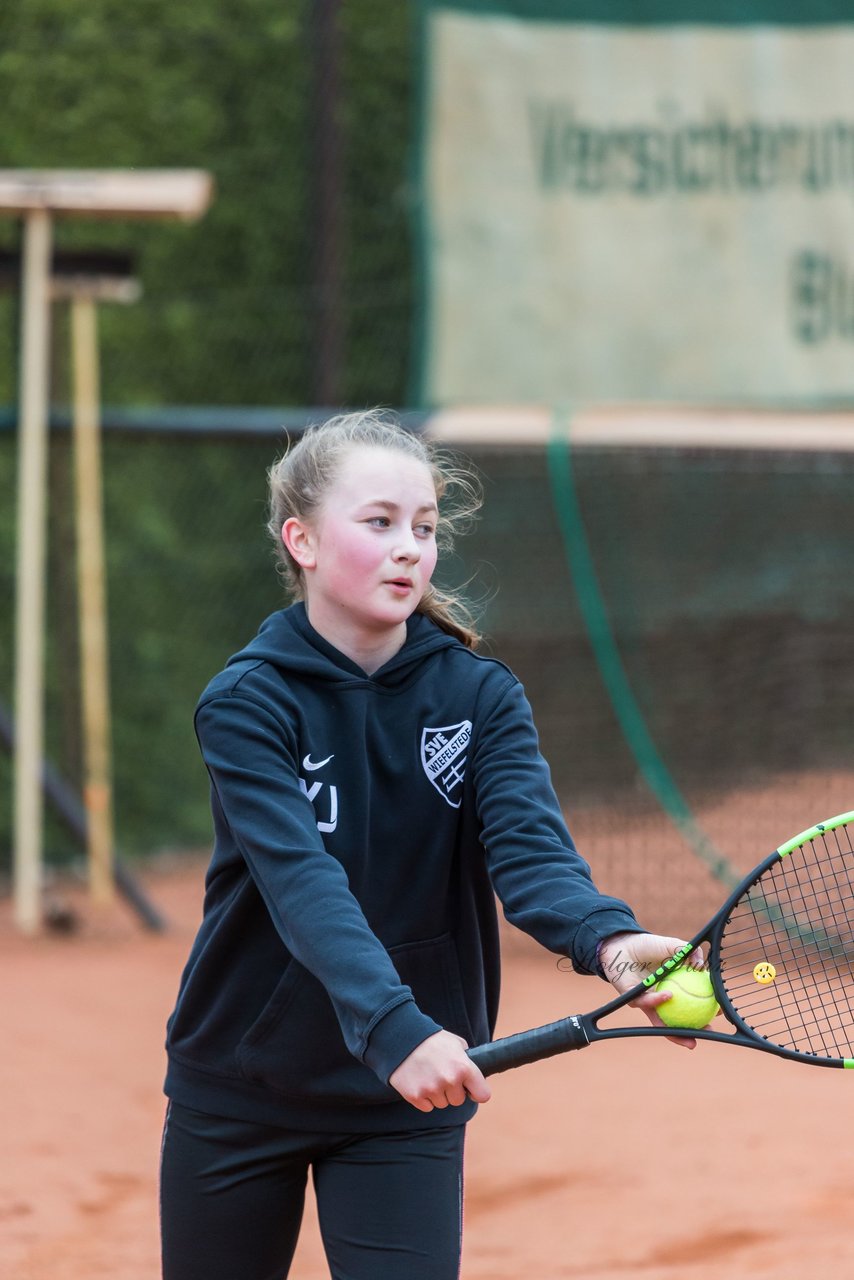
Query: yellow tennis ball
pixel 692 1002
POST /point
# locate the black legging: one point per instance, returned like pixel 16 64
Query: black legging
pixel 232 1194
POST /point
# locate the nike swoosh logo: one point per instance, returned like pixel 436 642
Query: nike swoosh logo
pixel 309 767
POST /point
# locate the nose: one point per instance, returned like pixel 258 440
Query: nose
pixel 407 548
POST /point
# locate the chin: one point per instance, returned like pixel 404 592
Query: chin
pixel 390 618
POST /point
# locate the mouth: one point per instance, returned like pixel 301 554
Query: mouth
pixel 399 584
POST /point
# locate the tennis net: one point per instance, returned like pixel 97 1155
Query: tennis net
pixel 675 589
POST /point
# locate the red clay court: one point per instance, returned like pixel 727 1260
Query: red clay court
pixel 629 1159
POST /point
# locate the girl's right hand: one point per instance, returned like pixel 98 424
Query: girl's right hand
pixel 439 1073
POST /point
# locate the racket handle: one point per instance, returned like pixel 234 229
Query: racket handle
pixel 530 1046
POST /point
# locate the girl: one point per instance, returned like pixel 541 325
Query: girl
pixel 374 783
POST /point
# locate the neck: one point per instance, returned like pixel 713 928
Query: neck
pixel 369 649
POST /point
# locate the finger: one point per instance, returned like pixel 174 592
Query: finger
pixel 652 999
pixel 420 1104
pixel 456 1095
pixel 683 1042
pixel 474 1083
pixel 649 1003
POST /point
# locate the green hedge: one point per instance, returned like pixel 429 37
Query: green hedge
pixel 229 315
pixel 229 310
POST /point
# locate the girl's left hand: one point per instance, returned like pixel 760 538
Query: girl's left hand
pixel 627 958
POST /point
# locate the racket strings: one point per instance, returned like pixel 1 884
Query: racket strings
pixel 799 918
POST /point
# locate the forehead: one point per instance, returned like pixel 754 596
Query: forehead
pixel 367 472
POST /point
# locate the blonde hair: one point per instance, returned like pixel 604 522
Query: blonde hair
pixel 299 480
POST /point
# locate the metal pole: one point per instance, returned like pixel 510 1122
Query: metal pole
pixel 94 653
pixel 327 190
pixel 29 637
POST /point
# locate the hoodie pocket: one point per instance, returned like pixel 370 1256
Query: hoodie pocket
pixel 432 970
pixel 297 1048
pixel 296 1045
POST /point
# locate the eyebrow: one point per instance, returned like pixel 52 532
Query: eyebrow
pixel 393 506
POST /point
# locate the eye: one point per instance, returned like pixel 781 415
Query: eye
pixel 425 530
pixel 379 522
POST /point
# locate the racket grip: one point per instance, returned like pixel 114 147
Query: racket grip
pixel 530 1046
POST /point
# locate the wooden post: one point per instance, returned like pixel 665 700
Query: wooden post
pixel 94 650
pixel 29 629
pixel 36 195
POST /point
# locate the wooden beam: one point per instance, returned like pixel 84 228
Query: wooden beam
pixel 128 193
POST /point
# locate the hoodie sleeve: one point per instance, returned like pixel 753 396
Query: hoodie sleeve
pixel 252 762
pixel 543 883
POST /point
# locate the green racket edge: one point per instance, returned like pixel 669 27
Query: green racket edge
pixel 819 829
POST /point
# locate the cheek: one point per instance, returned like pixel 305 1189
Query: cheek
pixel 352 556
pixel 428 561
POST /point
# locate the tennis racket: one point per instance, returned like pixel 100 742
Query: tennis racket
pixel 780 957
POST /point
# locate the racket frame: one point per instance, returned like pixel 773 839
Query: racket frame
pixel 579 1030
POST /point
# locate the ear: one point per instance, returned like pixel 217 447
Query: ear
pixel 298 539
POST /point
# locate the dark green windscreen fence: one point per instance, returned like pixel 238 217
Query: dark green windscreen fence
pixel 718 583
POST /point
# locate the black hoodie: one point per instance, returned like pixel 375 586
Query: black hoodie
pixel 362 825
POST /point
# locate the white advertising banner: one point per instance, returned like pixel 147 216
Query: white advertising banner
pixel 655 211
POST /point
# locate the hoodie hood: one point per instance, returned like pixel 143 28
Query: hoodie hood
pixel 289 642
